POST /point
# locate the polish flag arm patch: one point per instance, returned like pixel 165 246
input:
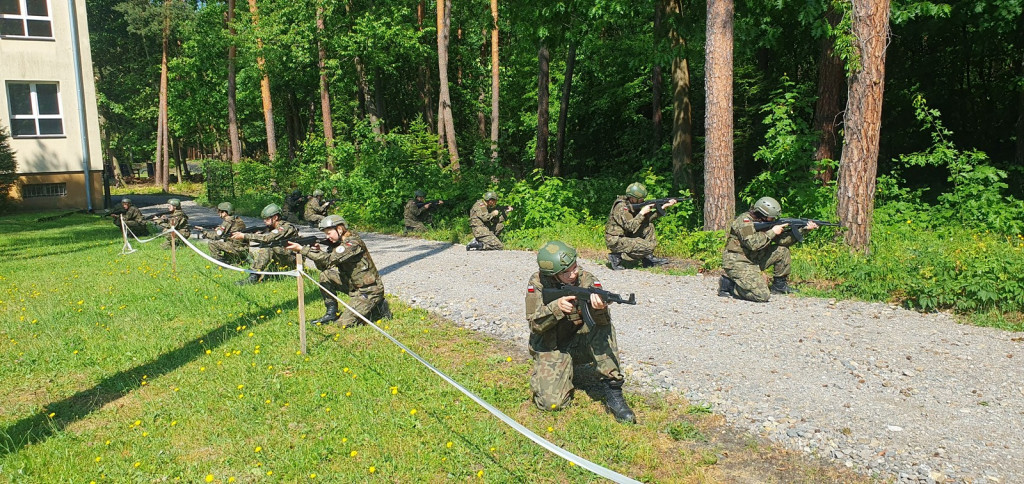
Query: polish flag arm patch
pixel 530 289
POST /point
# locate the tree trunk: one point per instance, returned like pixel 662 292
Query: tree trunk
pixel 445 121
pixel 859 162
pixel 563 111
pixel 494 81
pixel 366 99
pixel 325 92
pixel 682 112
pixel 291 123
pixel 160 170
pixel 236 144
pixel 656 81
pixel 1019 154
pixel 268 106
pixel 424 74
pixel 378 100
pixel 543 80
pixel 826 112
pixel 719 182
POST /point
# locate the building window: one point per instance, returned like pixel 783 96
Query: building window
pixel 35 109
pixel 45 190
pixel 26 18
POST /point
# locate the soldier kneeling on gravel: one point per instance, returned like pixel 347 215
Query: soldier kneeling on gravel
pixel 748 252
pixel 559 338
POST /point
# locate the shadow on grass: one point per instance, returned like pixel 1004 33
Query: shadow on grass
pixel 39 427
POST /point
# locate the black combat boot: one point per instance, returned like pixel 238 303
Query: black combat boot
pixel 651 261
pixel 252 279
pixel 615 261
pixel 382 311
pixel 726 287
pixel 475 245
pixel 616 404
pixel 331 314
pixel 780 285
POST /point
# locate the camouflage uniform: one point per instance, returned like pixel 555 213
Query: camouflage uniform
pixel 416 217
pixel 224 248
pixel 133 219
pixel 630 235
pixel 292 206
pixel 347 266
pixel 748 252
pixel 557 343
pixel 486 226
pixel 263 256
pixel 315 211
pixel 179 221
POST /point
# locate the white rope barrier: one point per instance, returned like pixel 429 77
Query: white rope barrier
pixel 546 444
pixel 551 447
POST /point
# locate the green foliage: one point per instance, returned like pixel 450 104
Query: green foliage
pixel 8 168
pixel 686 430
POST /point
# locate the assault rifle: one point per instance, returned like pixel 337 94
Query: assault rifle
pixel 583 298
pixel 158 215
pixel 657 203
pixel 795 224
pixel 304 240
pixel 433 203
pixel 255 229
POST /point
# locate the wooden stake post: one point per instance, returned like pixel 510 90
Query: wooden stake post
pixel 302 304
pixel 174 252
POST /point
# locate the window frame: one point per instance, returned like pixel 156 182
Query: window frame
pixel 24 17
pixel 44 190
pixel 35 116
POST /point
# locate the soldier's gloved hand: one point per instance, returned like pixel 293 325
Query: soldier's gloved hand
pixel 646 209
pixel 596 302
pixel 292 246
pixel 237 236
pixel 777 230
pixel 567 304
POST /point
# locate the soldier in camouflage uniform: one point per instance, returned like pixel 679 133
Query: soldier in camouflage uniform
pixel 222 246
pixel 176 219
pixel 279 231
pixel 132 217
pixel 630 236
pixel 417 213
pixel 559 338
pixel 293 204
pixel 316 208
pixel 748 252
pixel 345 265
pixel 487 222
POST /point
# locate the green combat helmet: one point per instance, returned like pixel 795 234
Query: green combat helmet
pixel 768 206
pixel 555 257
pixel 126 200
pixel 226 207
pixel 318 193
pixel 174 202
pixel 270 211
pixel 636 190
pixel 331 221
pixel 419 193
pixel 490 196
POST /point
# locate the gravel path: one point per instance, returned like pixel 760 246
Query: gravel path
pixel 886 391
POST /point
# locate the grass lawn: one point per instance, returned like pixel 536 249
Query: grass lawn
pixel 118 369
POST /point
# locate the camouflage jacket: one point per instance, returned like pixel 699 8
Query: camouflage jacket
pixel 228 226
pixel 550 328
pixel 480 216
pixel 315 207
pixel 622 222
pixel 284 231
pixel 743 239
pixel 414 214
pixel 352 260
pixel 133 214
pixel 177 220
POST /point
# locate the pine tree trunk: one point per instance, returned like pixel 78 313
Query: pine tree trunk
pixel 1019 153
pixel 862 123
pixel 236 145
pixel 160 170
pixel 656 81
pixel 682 112
pixel 719 182
pixel 268 105
pixel 543 116
pixel 563 111
pixel 367 102
pixel 325 92
pixel 826 112
pixel 445 122
pixel 494 81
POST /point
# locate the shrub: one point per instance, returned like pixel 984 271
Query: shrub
pixel 8 168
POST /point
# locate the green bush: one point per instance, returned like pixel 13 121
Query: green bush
pixel 8 169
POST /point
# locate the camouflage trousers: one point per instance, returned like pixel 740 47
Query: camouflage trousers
pixel 746 273
pixel 551 380
pixel 489 238
pixel 314 219
pixel 414 227
pixel 228 251
pixel 137 228
pixel 290 216
pixel 368 300
pixel 264 255
pixel 633 248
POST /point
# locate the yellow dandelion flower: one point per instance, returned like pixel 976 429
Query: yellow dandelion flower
pixel 508 358
pixel 74 352
pixel 176 388
pixel 258 448
pixel 298 352
pixel 174 422
pixel 328 409
pixel 208 352
pixel 202 368
pixel 52 414
pixel 345 370
pixel 448 445
pixel 137 464
pixel 241 387
pixel 322 395
pixel 480 473
pixel 231 479
pixel 493 449
pixel 209 478
pixel 270 473
pixel 250 334
pixel 352 454
pixel 267 401
pixel 412 412
pixel 137 423
pixel 106 443
pixel 312 476
pixel 394 390
pixel 373 469
pixel 348 394
pixel 278 311
pixel 551 429
pixel 98 458
pixel 344 439
pixel 145 434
